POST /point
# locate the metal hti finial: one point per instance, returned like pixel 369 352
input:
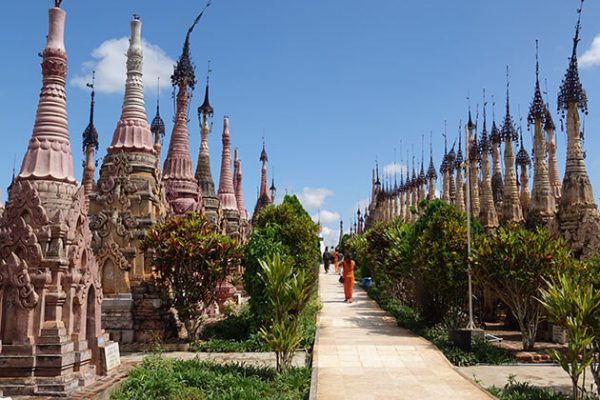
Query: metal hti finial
pixel 57 3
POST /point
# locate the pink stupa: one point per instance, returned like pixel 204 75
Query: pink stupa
pixel 239 194
pixel 49 153
pixel 226 190
pixel 133 131
pixel 183 194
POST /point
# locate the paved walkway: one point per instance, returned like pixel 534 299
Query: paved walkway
pixel 544 376
pixel 361 353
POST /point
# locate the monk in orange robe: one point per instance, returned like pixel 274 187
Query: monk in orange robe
pixel 335 261
pixel 348 273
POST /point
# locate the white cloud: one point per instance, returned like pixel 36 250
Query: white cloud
pixel 327 217
pixel 314 197
pixel 109 63
pixel 361 205
pixel 330 236
pixel 394 168
pixel 591 57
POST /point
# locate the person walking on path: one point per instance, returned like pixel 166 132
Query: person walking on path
pixel 326 259
pixel 336 266
pixel 348 274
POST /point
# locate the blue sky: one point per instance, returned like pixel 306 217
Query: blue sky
pixel 331 84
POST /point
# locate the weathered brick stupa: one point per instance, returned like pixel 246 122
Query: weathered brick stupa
pixel 487 212
pixel 577 212
pixel 231 215
pixel 543 200
pixel 128 199
pixel 511 206
pixel 210 201
pixel 263 196
pixel 239 196
pixel 50 288
pixel 181 187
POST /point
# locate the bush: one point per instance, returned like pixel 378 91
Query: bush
pixel 287 230
pixel 160 378
pixel 524 391
pixel 288 293
pixel 514 264
pixel 192 262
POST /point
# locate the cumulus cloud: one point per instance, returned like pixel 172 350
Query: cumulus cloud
pixel 109 63
pixel 326 217
pixel 394 168
pixel 591 57
pixel 330 236
pixel 361 204
pixel 314 197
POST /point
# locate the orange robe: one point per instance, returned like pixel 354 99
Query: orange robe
pixel 348 266
pixel 335 262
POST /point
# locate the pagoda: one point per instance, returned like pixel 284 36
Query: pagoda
pixel 50 286
pixel 263 196
pixel 227 198
pixel 128 198
pixel 210 200
pixel 578 215
pixel 181 187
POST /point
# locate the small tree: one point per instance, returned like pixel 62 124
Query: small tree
pixel 515 263
pixel 192 262
pixel 288 292
pixel 572 303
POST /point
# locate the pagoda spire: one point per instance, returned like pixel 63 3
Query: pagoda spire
pixel 263 195
pixel 473 158
pixel 431 172
pixel 133 131
pixel 542 203
pixel 49 156
pixel 451 167
pixel 183 194
pixel 487 213
pixel 523 161
pixel 273 190
pixel 227 198
pixel 158 125
pixel 577 212
pixel 459 165
pixel 226 190
pixel 239 193
pixel 444 170
pixel 90 143
pixel 511 208
pixel 497 178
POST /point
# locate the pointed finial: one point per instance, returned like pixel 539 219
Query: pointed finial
pixel 57 3
pixel 571 90
pixel 90 134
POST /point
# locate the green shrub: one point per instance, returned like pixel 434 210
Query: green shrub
pixel 515 264
pixel 287 230
pixel 524 391
pixel 160 378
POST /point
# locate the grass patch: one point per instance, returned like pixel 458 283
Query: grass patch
pixel 162 378
pixel 524 391
pixel 481 352
pixel 235 333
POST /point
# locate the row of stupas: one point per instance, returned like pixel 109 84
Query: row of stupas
pixel 477 184
pixel 71 270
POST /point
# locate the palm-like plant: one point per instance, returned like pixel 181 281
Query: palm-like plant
pixel 572 303
pixel 288 292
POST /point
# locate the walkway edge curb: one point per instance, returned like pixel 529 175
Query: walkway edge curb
pixel 315 354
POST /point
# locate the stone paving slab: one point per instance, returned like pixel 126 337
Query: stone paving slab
pixel 360 353
pixel 549 376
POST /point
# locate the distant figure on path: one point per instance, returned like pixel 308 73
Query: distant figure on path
pixel 348 274
pixel 326 259
pixel 336 255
